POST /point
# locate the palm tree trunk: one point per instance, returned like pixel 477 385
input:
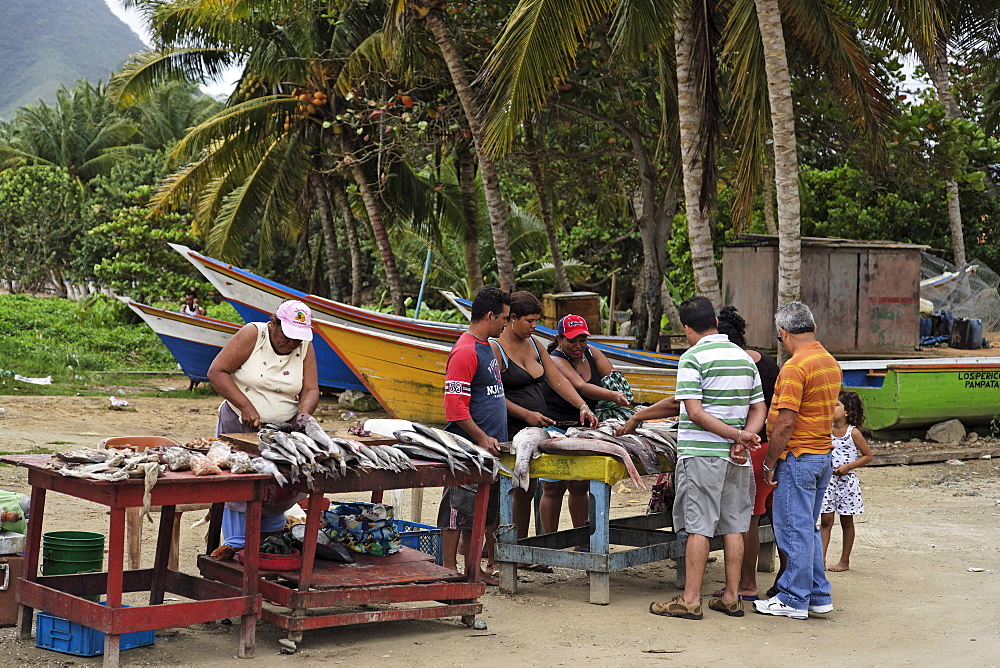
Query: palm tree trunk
pixel 545 205
pixel 938 71
pixel 351 227
pixel 491 179
pixel 470 236
pixel 706 277
pixel 786 167
pixel 381 238
pixel 772 226
pixel 321 192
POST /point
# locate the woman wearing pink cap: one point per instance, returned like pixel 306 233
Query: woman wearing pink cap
pixel 584 367
pixel 265 373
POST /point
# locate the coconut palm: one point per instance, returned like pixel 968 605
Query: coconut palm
pixel 431 15
pixel 263 161
pixel 80 132
pixel 930 29
pixel 543 37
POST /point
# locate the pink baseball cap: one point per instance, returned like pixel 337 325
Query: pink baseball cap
pixel 572 326
pixel 296 320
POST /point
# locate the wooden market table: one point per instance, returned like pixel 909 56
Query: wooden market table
pixel 643 533
pixel 408 576
pixel 62 594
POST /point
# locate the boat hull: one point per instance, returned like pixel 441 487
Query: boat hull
pixel 407 377
pixel 194 342
pixel 252 295
pixel 914 395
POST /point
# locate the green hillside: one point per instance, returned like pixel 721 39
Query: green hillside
pixel 44 43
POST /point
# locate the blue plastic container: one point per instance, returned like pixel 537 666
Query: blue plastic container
pixel 422 537
pixel 62 635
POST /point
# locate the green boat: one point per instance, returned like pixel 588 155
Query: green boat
pixel 910 394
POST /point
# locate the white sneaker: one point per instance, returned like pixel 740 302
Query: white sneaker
pixel 821 609
pixel 774 606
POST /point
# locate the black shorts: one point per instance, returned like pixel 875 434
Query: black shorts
pixel 458 504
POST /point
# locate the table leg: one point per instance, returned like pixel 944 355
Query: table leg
pixel 600 508
pixel 507 535
pixel 476 540
pixel 25 615
pixel 116 567
pixel 251 552
pixel 313 516
pixel 416 504
pixel 214 528
pixel 162 555
pixel 133 534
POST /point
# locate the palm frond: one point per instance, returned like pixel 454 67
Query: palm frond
pixel 146 72
pixel 641 27
pixel 538 45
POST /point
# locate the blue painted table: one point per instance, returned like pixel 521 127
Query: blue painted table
pixel 643 533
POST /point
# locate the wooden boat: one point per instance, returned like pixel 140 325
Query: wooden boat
pixel 613 350
pixel 407 376
pixel 194 341
pixel 914 393
pixel 255 297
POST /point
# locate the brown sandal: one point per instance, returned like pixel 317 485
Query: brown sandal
pixel 676 607
pixel 734 609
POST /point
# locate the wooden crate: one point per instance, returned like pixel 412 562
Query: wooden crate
pixel 584 304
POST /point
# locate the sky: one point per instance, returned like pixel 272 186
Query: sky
pixel 218 89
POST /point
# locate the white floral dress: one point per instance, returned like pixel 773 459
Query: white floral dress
pixel 843 495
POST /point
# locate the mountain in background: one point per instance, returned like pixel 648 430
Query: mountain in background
pixel 44 43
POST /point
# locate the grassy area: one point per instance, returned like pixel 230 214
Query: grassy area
pixel 82 346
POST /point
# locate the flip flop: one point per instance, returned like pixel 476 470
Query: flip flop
pixel 719 592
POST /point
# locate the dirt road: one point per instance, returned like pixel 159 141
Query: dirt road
pixel 909 598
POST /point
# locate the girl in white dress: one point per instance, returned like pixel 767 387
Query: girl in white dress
pixel 843 495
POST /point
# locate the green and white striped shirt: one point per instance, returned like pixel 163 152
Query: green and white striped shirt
pixel 724 378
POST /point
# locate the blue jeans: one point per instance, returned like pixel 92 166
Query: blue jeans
pixel 796 504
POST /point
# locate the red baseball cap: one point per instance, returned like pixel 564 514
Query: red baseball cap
pixel 572 326
pixel 296 320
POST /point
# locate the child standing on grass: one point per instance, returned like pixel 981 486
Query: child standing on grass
pixel 843 495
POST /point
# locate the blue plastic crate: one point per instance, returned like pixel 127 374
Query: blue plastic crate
pixel 421 537
pixel 62 635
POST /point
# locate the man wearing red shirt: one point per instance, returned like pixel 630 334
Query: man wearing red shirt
pixel 475 407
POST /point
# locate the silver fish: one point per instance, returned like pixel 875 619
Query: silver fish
pixel 263 465
pixel 427 443
pixel 525 445
pixel 591 446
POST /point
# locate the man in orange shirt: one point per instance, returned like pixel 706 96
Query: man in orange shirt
pixel 797 463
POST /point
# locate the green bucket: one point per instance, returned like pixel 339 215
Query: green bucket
pixel 68 552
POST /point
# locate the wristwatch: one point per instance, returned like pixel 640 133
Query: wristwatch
pixel 767 469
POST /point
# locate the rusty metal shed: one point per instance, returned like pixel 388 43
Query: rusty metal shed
pixel 865 295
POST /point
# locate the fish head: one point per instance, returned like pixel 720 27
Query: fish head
pixel 529 438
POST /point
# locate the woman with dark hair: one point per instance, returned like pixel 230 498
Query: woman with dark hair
pixel 528 375
pixel 589 371
pixel 732 324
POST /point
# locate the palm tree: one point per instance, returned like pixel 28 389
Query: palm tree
pixel 433 18
pixel 930 29
pixel 542 38
pixel 255 162
pixel 80 132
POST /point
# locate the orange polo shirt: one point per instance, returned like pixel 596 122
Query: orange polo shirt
pixel 809 384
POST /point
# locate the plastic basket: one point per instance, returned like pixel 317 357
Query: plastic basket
pixel 62 635
pixel 422 537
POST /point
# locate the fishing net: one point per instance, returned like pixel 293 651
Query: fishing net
pixel 969 293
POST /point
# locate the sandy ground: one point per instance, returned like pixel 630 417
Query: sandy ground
pixel 910 597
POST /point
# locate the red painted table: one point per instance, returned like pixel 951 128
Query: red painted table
pixel 62 594
pixel 406 577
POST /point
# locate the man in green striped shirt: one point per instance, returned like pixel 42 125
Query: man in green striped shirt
pixel 722 409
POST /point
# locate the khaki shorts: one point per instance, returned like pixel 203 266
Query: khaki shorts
pixel 713 497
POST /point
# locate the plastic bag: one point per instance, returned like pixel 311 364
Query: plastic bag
pixel 363 527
